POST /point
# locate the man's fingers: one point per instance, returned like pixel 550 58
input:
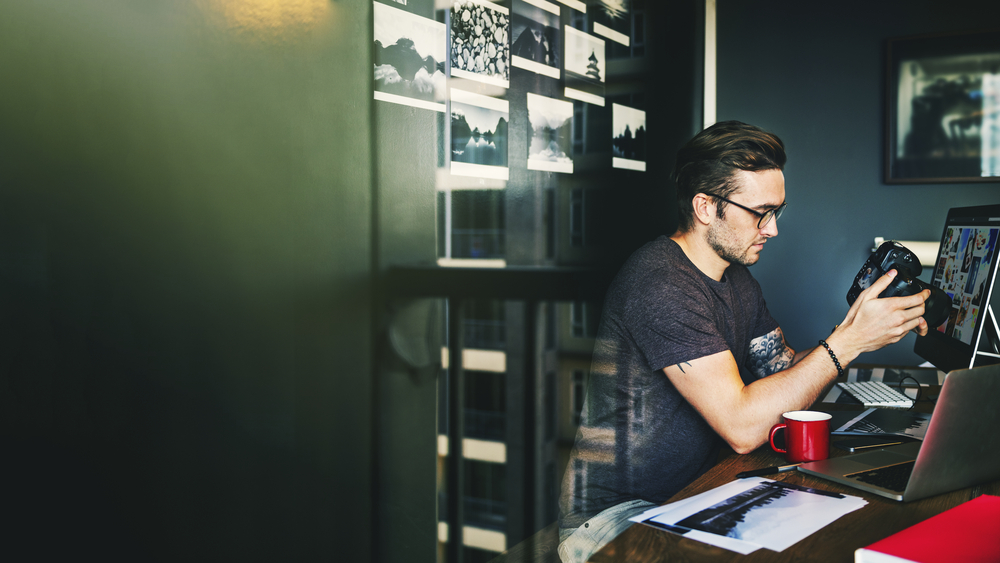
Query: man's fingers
pixel 871 292
pixel 917 300
pixel 878 287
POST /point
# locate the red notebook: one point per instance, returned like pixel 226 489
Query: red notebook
pixel 969 533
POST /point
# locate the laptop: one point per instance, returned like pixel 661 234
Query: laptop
pixel 961 447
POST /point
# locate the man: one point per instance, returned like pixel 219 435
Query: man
pixel 687 355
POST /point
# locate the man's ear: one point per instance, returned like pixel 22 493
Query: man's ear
pixel 704 208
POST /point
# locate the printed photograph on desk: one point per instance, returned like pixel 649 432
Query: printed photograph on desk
pixel 478 135
pixel 480 45
pixel 747 514
pixel 766 514
pixel 551 124
pixel 612 20
pixel 585 67
pixel 629 138
pixel 535 43
pixel 409 59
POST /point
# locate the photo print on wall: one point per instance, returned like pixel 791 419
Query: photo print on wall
pixel 535 43
pixel 478 135
pixel 628 142
pixel 409 59
pixel 585 67
pixel 550 122
pixel 480 49
pixel 611 20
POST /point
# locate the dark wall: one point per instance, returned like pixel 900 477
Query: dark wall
pixel 185 266
pixel 813 74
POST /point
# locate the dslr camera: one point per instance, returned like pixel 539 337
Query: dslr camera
pixel 892 255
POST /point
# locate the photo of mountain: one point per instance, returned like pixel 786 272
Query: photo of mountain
pixel 628 141
pixel 480 46
pixel 535 41
pixel 772 514
pixel 478 135
pixel 409 60
pixel 550 123
pixel 585 66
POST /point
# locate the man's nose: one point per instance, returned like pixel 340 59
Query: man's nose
pixel 771 228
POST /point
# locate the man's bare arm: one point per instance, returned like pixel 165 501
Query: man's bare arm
pixel 743 414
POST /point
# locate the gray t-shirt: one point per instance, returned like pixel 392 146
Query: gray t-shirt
pixel 639 438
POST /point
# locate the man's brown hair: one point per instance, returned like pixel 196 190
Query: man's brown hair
pixel 709 161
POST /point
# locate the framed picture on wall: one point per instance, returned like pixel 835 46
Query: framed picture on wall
pixel 943 108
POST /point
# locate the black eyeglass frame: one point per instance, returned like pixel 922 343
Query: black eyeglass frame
pixel 764 218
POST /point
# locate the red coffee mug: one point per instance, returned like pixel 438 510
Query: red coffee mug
pixel 807 436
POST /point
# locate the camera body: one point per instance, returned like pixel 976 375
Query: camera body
pixel 892 255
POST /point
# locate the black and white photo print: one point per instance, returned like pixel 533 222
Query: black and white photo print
pixel 585 67
pixel 409 58
pixel 535 40
pixel 764 514
pixel 478 135
pixel 480 42
pixel 550 122
pixel 628 143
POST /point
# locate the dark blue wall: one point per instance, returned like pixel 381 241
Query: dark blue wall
pixel 813 73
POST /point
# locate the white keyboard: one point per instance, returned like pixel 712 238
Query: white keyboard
pixel 876 394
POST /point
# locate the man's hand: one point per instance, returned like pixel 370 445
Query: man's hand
pixel 873 323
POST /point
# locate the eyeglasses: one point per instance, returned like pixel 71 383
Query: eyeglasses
pixel 764 218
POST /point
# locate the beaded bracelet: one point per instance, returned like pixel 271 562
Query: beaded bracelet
pixel 840 370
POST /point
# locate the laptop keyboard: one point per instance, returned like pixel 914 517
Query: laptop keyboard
pixel 876 394
pixel 893 477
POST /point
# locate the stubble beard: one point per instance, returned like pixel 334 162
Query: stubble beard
pixel 727 250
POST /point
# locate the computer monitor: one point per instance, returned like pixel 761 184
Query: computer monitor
pixel 966 269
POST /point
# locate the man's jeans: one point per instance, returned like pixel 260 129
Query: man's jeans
pixel 577 545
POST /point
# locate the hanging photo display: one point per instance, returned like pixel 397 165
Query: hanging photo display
pixel 535 44
pixel 409 59
pixel 478 135
pixel 480 46
pixel 611 20
pixel 629 138
pixel 414 57
pixel 585 67
pixel 551 124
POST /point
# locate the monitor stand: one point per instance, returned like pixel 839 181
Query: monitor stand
pixel 989 341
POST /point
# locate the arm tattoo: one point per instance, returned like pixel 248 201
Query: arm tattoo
pixel 681 365
pixel 769 354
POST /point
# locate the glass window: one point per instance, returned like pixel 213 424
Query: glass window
pixel 471 224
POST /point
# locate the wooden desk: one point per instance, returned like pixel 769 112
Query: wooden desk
pixel 836 542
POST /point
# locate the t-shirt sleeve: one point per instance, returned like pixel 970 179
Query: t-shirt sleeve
pixel 765 322
pixel 672 322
